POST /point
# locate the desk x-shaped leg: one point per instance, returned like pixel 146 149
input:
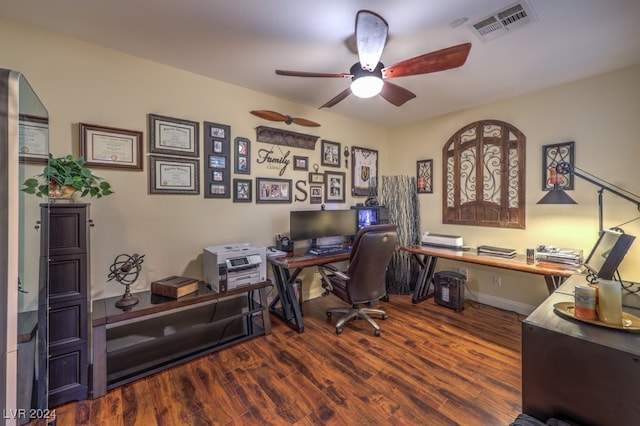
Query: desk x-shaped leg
pixel 425 277
pixel 289 310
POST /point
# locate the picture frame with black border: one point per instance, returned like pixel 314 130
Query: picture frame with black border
pixel 110 147
pixel 242 190
pixel 242 152
pixel 173 136
pixel 273 190
pixel 552 155
pixel 364 171
pixel 315 194
pixel 174 175
pixel 330 154
pixel 218 161
pixel 334 191
pixel 424 176
pixel 300 162
pixel 315 177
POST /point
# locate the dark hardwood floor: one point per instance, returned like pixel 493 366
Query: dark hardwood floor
pixel 430 366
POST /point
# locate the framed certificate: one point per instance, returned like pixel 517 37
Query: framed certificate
pixel 110 147
pixel 33 136
pixel 173 136
pixel 171 175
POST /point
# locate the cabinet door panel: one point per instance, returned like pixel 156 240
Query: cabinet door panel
pixel 68 376
pixel 67 277
pixel 67 324
pixel 67 229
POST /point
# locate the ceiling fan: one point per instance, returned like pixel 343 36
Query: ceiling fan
pixel 287 119
pixel 369 77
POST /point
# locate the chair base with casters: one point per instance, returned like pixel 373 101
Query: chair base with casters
pixel 363 284
pixel 357 313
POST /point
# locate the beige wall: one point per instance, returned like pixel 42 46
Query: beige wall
pixel 80 82
pixel 601 115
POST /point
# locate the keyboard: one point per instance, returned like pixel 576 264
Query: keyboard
pixel 326 250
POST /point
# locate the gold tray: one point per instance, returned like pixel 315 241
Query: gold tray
pixel 629 322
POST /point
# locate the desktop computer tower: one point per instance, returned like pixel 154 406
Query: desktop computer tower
pixel 449 289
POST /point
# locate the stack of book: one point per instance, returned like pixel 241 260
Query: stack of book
pixel 565 256
pixel 496 251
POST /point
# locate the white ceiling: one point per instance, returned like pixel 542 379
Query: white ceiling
pixel 243 41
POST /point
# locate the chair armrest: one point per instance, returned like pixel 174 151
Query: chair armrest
pixel 335 271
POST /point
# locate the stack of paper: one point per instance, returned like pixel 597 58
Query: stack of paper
pixel 566 256
pixel 496 251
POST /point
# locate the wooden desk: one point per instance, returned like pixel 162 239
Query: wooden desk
pixel 160 332
pixel 427 257
pixel 289 309
pixel 578 372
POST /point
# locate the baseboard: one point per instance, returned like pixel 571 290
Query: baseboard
pixel 500 303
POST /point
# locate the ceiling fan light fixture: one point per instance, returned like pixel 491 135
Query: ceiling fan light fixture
pixel 366 86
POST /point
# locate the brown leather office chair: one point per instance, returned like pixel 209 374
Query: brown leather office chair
pixel 364 282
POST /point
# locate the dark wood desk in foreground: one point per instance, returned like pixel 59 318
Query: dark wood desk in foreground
pixel 578 372
pixel 160 332
pixel 285 305
pixel 427 257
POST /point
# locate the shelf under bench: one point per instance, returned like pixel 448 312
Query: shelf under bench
pixel 160 332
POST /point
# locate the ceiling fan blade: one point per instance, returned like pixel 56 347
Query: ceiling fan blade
pixel 269 115
pixel 341 96
pixel 304 122
pixel 311 74
pixel 371 36
pixel 440 60
pixel 395 94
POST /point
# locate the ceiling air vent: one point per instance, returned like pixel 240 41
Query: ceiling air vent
pixel 501 22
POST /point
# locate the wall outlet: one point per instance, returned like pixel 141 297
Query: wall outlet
pixel 497 281
pixel 465 272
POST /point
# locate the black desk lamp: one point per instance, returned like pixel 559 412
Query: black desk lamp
pixel 558 196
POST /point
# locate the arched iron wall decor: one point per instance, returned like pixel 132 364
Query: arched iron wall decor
pixel 483 167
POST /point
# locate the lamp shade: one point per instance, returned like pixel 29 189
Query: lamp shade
pixel 556 196
pixel 366 86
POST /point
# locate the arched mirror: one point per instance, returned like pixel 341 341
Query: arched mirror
pixel 24 148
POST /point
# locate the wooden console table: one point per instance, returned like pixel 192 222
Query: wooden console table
pixel 160 332
pixel 427 257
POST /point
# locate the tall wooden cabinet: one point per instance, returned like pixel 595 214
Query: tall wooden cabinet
pixel 65 240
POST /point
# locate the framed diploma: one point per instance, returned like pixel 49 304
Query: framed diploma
pixel 172 175
pixel 110 147
pixel 173 136
pixel 33 134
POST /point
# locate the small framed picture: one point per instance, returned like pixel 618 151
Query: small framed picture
pixel 242 156
pixel 334 187
pixel 173 136
pixel 217 161
pixel 217 147
pixel 270 190
pixel 217 189
pixel 242 190
pixel 217 132
pixel 315 194
pixel 218 176
pixel 330 153
pixel 424 176
pixel 316 177
pixel 300 163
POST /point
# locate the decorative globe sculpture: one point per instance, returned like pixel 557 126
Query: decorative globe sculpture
pixel 126 269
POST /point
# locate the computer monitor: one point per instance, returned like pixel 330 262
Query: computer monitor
pixel 607 254
pixel 314 224
pixel 367 217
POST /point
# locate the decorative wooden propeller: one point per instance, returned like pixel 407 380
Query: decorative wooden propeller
pixel 371 36
pixel 276 116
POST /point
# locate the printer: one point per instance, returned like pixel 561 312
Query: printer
pixel 230 266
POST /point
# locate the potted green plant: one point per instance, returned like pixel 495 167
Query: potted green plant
pixel 66 174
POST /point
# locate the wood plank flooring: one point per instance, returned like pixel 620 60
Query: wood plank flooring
pixel 430 366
